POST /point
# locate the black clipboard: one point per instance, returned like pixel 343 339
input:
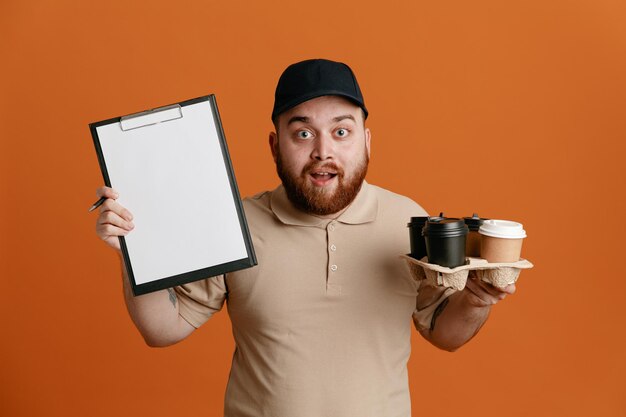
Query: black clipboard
pixel 172 169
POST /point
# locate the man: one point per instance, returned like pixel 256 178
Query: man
pixel 322 325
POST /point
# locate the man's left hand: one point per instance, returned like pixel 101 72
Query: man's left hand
pixel 483 294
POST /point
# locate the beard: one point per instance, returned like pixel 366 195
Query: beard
pixel 319 200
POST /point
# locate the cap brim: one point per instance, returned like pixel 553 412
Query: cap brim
pixel 301 99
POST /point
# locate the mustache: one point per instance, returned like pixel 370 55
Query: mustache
pixel 315 166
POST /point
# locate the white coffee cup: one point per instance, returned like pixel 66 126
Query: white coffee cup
pixel 501 240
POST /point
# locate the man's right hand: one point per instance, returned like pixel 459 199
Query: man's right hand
pixel 114 220
pixel 155 314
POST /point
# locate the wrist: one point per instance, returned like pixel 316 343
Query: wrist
pixel 470 300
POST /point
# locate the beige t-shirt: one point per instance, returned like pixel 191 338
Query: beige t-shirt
pixel 322 324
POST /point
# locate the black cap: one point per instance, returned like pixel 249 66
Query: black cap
pixel 313 78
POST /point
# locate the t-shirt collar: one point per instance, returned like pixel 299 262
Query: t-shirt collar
pixel 363 209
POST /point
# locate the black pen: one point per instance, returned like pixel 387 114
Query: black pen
pixel 97 204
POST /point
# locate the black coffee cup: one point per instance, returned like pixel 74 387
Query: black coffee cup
pixel 445 240
pixel 418 246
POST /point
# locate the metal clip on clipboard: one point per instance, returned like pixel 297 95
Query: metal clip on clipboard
pixel 151 117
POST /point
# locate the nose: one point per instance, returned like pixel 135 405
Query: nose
pixel 323 148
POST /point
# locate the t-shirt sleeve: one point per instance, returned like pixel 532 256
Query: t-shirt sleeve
pixel 199 300
pixel 428 299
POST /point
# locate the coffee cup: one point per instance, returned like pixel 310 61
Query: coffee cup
pixel 472 247
pixel 445 240
pixel 418 245
pixel 501 240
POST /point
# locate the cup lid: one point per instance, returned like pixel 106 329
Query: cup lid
pixel 474 222
pixel 418 221
pixel 504 229
pixel 444 226
pixel 436 218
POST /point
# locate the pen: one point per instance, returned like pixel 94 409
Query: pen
pixel 97 204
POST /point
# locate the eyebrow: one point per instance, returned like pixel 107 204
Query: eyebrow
pixel 344 117
pixel 294 119
pixel 305 119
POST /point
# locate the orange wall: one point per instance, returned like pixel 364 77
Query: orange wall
pixel 511 109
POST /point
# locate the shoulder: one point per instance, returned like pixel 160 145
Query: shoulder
pixel 258 198
pixel 259 202
pixel 390 201
pixel 258 209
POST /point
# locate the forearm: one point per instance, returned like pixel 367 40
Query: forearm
pixel 456 321
pixel 460 316
pixel 156 315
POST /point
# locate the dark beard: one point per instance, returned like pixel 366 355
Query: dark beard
pixel 314 200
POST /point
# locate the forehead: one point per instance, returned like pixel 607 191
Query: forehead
pixel 323 109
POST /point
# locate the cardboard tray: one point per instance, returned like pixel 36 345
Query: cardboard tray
pixel 497 274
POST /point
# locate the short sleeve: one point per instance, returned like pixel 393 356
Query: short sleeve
pixel 199 300
pixel 428 299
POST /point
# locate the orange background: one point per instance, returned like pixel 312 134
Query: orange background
pixel 511 109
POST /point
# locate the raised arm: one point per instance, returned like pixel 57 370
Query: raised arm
pixel 458 318
pixel 155 314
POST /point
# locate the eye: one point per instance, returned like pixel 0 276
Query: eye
pixel 304 134
pixel 342 133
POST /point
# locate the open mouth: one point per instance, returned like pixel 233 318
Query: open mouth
pixel 322 177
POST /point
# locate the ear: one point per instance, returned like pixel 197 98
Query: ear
pixel 273 142
pixel 368 137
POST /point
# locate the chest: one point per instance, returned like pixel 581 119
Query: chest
pixel 317 274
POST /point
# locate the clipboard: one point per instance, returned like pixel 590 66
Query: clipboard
pixel 172 170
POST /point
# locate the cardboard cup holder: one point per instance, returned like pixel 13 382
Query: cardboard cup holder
pixel 497 274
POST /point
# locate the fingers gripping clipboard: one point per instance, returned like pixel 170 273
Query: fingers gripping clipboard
pixel 172 170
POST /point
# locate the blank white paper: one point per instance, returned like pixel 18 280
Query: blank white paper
pixel 173 179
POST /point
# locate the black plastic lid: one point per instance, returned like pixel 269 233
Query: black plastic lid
pixel 418 221
pixel 474 222
pixel 445 227
pixel 421 220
